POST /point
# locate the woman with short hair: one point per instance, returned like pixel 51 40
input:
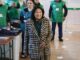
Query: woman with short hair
pixel 25 14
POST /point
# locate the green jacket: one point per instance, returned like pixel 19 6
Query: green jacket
pixel 57 11
pixel 14 13
pixel 3 14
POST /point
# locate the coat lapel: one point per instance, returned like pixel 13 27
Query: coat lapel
pixel 42 28
pixel 33 28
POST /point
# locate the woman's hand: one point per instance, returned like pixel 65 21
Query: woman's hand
pixel 43 45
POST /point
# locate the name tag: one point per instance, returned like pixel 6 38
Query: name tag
pixel 57 9
pixel 1 15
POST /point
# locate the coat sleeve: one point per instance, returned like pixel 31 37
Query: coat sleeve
pixel 46 31
pixel 47 38
pixel 26 33
pixel 49 32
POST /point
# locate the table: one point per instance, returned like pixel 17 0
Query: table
pixel 14 46
pixel 3 51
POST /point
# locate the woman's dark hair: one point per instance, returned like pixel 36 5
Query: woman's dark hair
pixel 34 10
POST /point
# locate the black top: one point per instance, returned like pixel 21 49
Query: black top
pixel 37 25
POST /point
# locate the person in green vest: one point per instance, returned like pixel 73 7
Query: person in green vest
pixel 23 5
pixel 37 3
pixel 4 19
pixel 8 2
pixel 57 16
pixel 14 14
pixel 16 0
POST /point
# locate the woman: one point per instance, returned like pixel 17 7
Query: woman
pixel 24 16
pixel 38 33
pixel 26 12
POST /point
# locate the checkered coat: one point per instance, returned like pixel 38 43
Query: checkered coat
pixel 35 51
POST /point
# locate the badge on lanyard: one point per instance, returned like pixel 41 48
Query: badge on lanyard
pixel 1 15
pixel 57 9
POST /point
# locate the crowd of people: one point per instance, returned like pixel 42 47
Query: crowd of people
pixel 35 27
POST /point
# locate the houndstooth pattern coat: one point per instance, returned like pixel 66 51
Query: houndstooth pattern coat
pixel 35 51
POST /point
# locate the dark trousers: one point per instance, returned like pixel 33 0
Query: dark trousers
pixel 24 41
pixel 59 29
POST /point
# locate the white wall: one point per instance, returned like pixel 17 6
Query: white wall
pixel 73 3
pixel 46 5
pixel 69 3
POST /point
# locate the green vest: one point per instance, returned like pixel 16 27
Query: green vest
pixel 57 11
pixel 3 13
pixel 22 7
pixel 15 0
pixel 14 14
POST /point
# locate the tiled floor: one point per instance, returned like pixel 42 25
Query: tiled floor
pixel 69 49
